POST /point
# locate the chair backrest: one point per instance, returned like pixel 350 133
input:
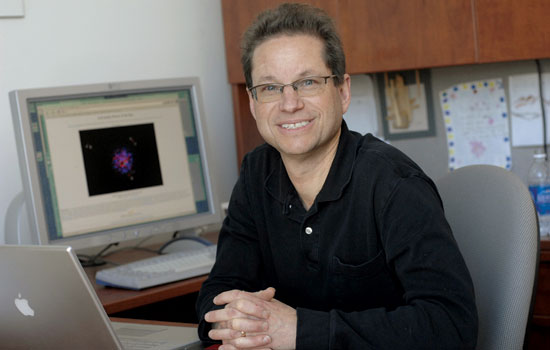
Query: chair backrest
pixel 494 221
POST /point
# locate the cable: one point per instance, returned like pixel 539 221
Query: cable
pixel 196 239
pixel 94 260
pixel 541 99
pixel 98 259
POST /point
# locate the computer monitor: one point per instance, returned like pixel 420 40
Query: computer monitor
pixel 109 162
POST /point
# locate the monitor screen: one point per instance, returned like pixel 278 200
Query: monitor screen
pixel 109 162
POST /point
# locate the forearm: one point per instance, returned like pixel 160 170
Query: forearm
pixel 421 326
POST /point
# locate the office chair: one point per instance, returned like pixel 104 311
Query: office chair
pixel 494 222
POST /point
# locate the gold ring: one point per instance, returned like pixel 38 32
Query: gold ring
pixel 243 334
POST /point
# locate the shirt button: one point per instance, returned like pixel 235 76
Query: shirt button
pixel 309 230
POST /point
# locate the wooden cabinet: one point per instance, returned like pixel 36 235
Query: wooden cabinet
pixel 509 30
pixel 377 35
pixel 246 134
pixel 397 35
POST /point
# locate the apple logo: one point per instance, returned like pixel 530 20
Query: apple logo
pixel 23 306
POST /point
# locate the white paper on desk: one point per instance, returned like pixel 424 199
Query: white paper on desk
pixel 525 108
pixel 476 123
pixel 362 113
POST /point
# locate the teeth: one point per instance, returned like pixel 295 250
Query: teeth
pixel 295 126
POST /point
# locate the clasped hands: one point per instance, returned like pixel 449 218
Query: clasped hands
pixel 252 321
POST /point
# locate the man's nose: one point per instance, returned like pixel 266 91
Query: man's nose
pixel 290 100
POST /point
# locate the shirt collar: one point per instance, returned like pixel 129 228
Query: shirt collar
pixel 278 184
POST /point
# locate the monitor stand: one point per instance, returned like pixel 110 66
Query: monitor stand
pixel 16 225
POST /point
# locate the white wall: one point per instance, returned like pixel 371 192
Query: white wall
pixel 67 42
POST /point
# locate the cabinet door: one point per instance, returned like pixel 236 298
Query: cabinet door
pixel 406 34
pixel 239 14
pixel 247 136
pixel 513 30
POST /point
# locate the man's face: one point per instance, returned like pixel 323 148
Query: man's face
pixel 297 126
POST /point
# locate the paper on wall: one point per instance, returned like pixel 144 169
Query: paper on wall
pixel 476 124
pixel 362 113
pixel 526 111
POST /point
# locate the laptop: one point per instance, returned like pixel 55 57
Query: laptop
pixel 47 302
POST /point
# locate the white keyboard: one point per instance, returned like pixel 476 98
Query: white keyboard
pixel 159 269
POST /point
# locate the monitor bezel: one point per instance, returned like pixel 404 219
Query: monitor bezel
pixel 33 196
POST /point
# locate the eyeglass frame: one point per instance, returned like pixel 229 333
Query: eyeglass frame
pixel 282 86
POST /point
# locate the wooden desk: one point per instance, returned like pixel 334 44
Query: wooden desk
pixel 163 323
pixel 116 300
pixel 539 328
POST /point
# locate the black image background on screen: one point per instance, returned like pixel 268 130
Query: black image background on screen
pixel 134 145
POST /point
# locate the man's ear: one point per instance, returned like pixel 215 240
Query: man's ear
pixel 251 102
pixel 345 93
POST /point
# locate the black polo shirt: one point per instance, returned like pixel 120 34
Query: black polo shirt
pixel 371 265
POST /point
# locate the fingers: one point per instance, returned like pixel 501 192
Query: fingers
pixel 244 302
pixel 230 295
pixel 224 334
pixel 236 326
pixel 223 315
pixel 217 325
pixel 242 323
pixel 266 294
pixel 249 342
pixel 248 325
pixel 240 311
pixel 231 347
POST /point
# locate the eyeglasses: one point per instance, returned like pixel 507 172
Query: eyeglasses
pixel 305 87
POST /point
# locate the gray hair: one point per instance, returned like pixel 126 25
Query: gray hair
pixel 292 19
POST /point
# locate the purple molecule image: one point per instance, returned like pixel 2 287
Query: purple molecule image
pixel 123 161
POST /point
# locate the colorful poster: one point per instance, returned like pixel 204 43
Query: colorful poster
pixel 476 123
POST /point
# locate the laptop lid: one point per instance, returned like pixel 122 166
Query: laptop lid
pixel 47 301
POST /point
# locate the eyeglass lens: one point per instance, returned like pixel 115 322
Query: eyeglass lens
pixel 305 87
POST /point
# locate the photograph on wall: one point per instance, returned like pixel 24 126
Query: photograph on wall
pixel 406 104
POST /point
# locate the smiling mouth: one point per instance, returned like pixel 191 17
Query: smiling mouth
pixel 295 125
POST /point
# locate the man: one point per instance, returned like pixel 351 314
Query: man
pixel 333 240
